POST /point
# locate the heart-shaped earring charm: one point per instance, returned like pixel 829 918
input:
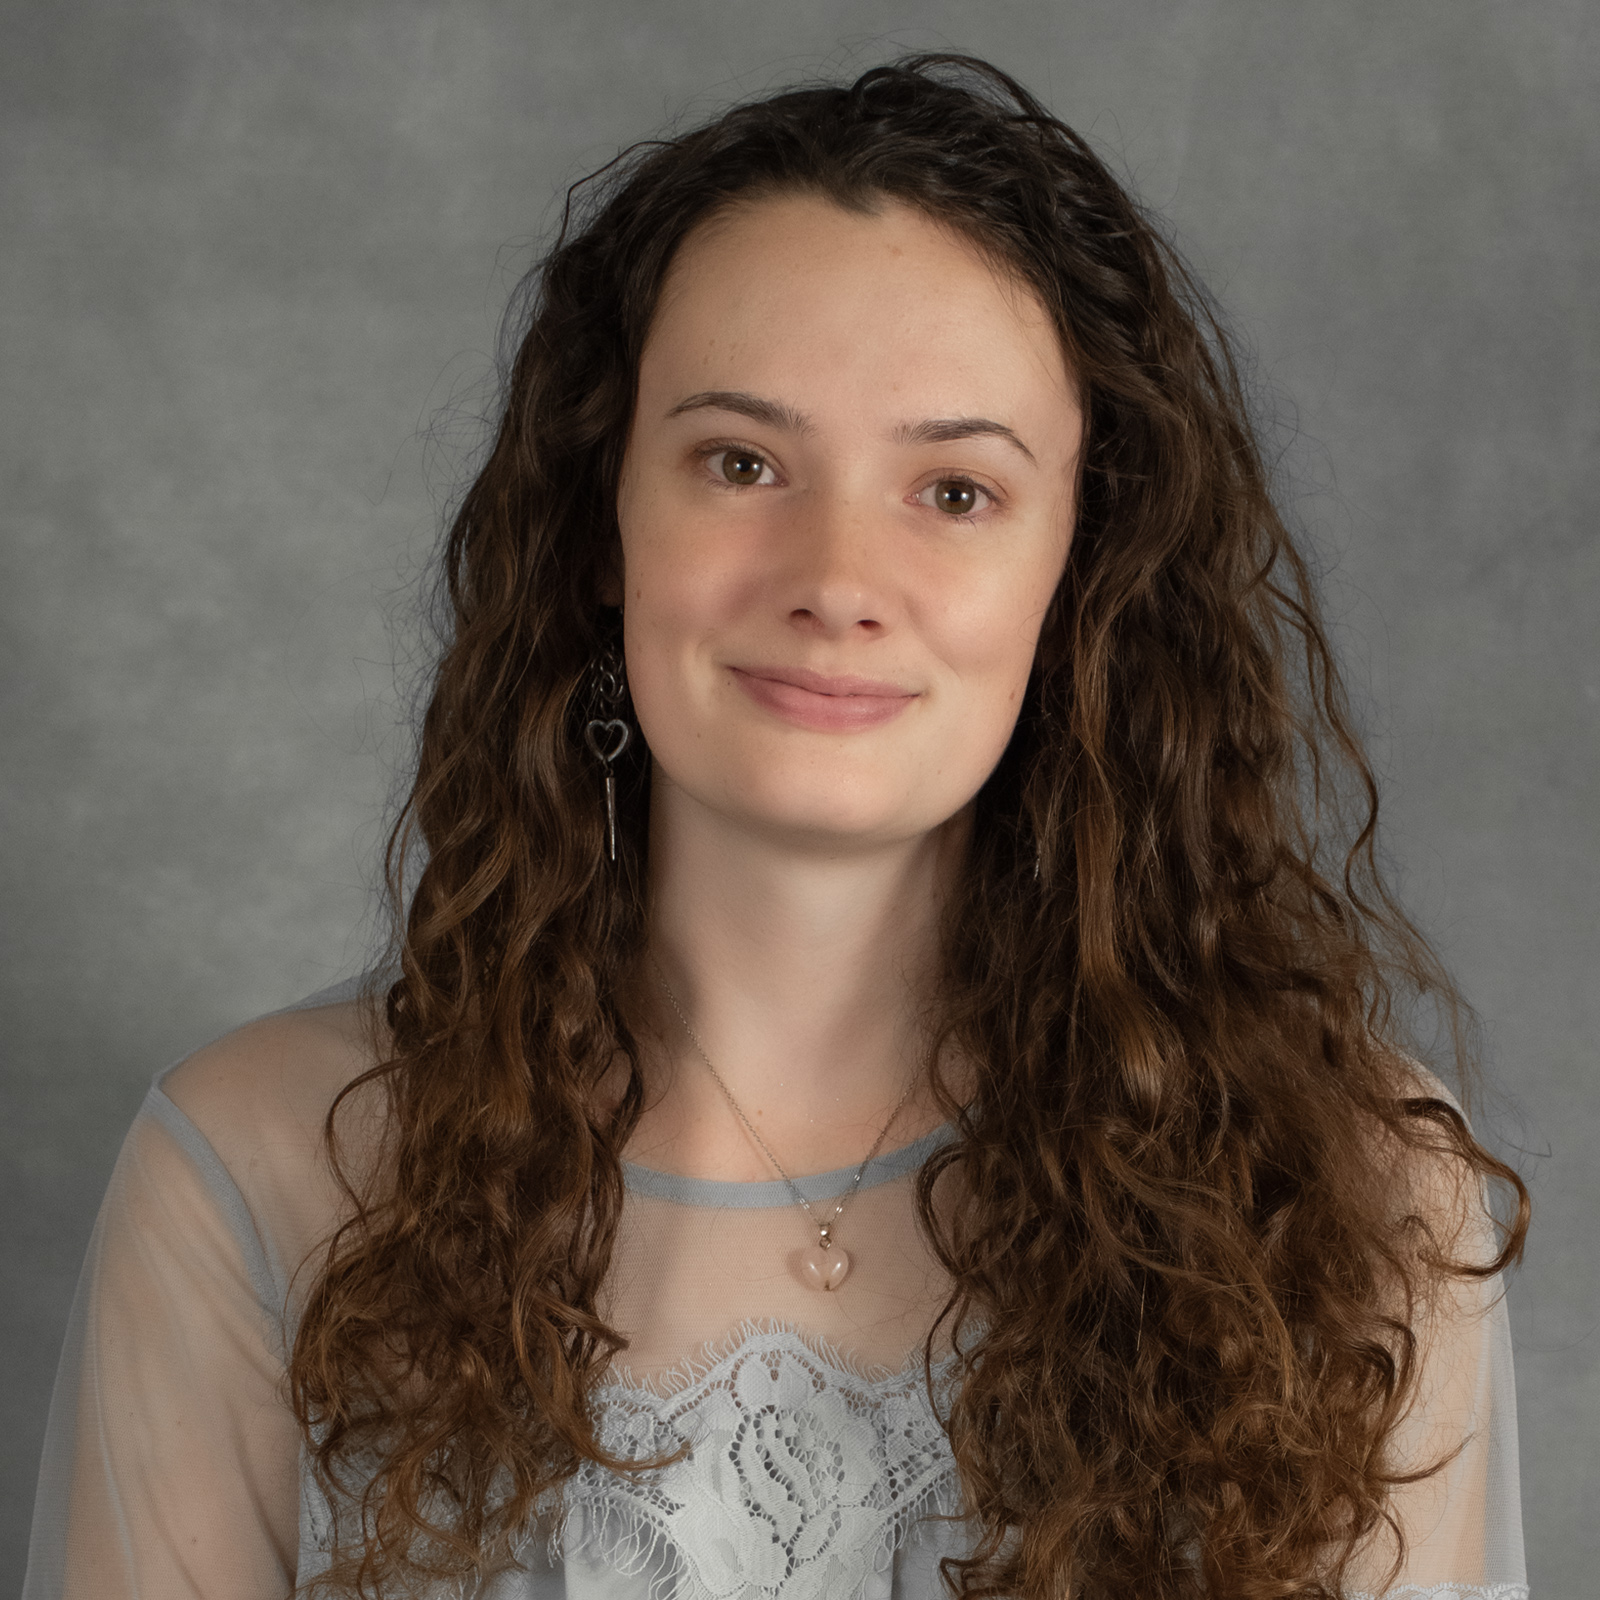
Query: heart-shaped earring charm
pixel 607 740
pixel 824 1269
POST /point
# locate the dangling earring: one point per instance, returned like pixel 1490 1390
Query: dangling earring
pixel 606 734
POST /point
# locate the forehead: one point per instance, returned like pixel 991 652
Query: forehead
pixel 798 289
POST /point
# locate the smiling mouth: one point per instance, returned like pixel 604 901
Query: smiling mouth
pixel 822 702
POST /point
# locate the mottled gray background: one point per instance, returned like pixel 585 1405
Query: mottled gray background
pixel 251 265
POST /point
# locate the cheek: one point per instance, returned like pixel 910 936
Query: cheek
pixel 991 630
pixel 661 618
pixel 681 563
pixel 988 636
pixel 679 599
pixel 677 605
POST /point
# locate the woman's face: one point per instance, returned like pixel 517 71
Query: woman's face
pixel 845 504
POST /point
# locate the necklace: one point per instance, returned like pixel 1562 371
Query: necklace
pixel 826 1264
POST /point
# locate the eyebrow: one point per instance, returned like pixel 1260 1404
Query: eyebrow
pixel 772 412
pixel 776 414
pixel 942 430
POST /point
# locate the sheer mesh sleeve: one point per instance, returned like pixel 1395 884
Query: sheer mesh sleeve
pixel 1462 1525
pixel 170 1462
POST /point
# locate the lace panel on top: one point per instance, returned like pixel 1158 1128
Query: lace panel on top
pixel 802 1478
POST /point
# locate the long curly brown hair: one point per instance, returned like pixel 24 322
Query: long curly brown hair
pixel 1184 1293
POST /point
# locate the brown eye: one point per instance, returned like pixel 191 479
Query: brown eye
pixel 742 466
pixel 955 496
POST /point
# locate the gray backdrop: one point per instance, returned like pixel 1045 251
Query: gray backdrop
pixel 253 256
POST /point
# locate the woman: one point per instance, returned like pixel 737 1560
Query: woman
pixel 883 1088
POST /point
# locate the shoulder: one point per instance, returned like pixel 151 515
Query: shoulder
pixel 1434 1169
pixel 275 1076
pixel 260 1096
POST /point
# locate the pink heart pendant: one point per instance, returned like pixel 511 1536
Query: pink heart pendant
pixel 824 1269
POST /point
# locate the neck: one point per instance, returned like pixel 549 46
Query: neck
pixel 803 969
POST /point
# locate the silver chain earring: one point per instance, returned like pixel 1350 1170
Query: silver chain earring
pixel 606 733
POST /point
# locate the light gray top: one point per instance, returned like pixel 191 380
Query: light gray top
pixel 172 1467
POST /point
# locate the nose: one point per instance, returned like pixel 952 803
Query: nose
pixel 833 583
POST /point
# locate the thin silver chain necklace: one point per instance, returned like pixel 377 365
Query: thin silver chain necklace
pixel 826 1264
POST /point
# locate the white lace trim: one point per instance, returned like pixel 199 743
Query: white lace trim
pixel 803 1474
pixel 1450 1591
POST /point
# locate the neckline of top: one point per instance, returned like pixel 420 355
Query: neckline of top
pixel 726 1193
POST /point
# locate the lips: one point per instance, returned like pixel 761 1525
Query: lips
pixel 821 701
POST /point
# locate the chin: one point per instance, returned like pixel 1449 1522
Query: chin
pixel 835 820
